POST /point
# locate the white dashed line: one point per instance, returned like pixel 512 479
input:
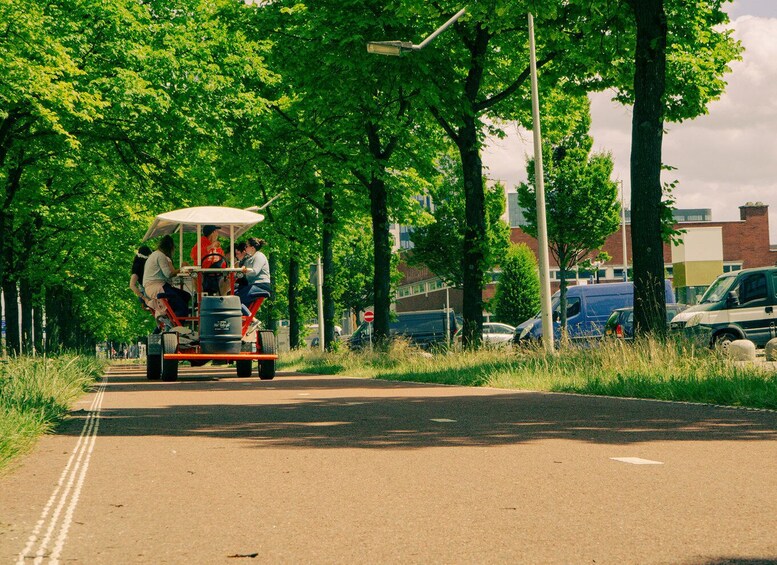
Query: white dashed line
pixel 636 461
pixel 441 420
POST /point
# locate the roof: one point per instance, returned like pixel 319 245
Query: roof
pixel 189 219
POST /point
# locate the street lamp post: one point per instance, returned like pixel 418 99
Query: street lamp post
pixel 397 48
pixel 539 190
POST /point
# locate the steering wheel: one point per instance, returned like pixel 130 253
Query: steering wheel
pixel 222 261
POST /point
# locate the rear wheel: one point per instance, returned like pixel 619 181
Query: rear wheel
pixel 244 368
pixel 169 366
pixel 267 346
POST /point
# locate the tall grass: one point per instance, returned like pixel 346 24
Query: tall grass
pixel 35 394
pixel 647 368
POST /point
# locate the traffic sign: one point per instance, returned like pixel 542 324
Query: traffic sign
pixel 369 316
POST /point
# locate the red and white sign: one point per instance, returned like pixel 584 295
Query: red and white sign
pixel 369 316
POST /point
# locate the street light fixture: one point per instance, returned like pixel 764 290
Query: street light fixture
pixel 397 48
pixel 390 48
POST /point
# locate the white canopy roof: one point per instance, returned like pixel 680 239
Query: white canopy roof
pixel 188 219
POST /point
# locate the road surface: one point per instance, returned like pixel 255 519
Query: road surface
pixel 328 469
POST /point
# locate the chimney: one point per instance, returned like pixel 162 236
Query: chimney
pixel 753 209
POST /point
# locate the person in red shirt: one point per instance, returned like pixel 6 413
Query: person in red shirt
pixel 209 244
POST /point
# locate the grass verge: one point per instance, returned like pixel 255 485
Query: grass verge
pixel 35 394
pixel 647 368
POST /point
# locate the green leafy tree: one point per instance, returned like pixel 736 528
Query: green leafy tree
pixel 439 243
pixel 355 108
pixel 681 51
pixel 517 295
pixel 581 202
pixel 353 270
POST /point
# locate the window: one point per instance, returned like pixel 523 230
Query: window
pixel 403 291
pixel 752 287
pixel 774 283
pixel 419 288
pixel 573 308
pixel 436 285
pixel 568 275
pixel 731 268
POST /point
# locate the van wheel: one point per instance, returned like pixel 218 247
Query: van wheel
pixel 722 341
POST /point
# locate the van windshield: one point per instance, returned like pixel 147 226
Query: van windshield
pixel 719 289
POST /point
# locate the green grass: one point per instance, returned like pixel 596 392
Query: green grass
pixel 35 394
pixel 644 369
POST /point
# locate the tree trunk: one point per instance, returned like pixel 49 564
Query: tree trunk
pixel 268 307
pixel 646 189
pixel 37 324
pixel 382 248
pixel 11 305
pixel 53 338
pixel 562 300
pixel 475 234
pixel 25 297
pixel 293 303
pixel 328 266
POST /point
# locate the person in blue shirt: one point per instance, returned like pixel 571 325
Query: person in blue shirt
pixel 257 273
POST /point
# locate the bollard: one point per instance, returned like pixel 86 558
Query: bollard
pixel 741 350
pixel 771 350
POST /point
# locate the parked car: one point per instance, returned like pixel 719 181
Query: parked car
pixel 424 329
pixel 497 334
pixel 588 308
pixel 620 324
pixel 738 305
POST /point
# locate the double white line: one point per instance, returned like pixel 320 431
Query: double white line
pixel 58 512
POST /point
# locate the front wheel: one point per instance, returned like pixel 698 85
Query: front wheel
pixel 722 341
pixel 153 367
pixel 243 368
pixel 169 366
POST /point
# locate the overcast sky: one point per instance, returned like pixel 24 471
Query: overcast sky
pixel 723 159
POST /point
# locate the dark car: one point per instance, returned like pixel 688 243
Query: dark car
pixel 424 329
pixel 620 324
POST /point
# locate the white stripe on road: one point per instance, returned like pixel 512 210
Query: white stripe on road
pixel 76 466
pixel 636 461
pixel 441 420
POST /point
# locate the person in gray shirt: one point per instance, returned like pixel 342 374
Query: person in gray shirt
pixel 257 273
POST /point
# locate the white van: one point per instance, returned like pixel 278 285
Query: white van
pixel 738 305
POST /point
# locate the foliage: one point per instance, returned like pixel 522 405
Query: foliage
pixel 110 113
pixel 35 394
pixel 581 201
pixel 353 270
pixel 648 368
pixel 517 295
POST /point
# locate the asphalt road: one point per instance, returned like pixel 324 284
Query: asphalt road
pixel 326 469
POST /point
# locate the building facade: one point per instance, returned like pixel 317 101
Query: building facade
pixel 745 245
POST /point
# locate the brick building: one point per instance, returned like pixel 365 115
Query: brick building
pixel 745 245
